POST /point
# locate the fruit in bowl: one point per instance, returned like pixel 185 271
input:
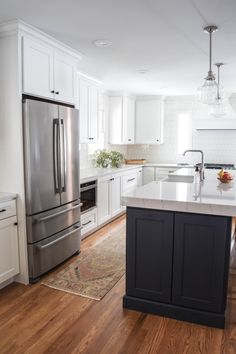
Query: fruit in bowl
pixel 225 176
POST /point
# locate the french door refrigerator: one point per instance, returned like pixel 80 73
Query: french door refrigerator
pixel 52 188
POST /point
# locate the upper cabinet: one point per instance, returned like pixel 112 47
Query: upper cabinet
pixel 122 120
pixel 89 93
pixel 149 121
pixel 48 72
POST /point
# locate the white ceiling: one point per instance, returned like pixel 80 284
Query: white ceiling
pixel 163 36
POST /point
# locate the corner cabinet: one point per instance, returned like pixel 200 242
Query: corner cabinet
pixel 121 120
pixel 9 252
pixel 149 113
pixel 89 93
pixel 177 265
pixel 48 72
pixel 109 197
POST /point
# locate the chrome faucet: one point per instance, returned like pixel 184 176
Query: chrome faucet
pixel 201 169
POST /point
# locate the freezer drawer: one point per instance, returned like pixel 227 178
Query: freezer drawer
pixel 46 254
pixel 50 222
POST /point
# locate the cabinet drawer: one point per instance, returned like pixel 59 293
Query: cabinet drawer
pixel 88 221
pixel 130 181
pixel 7 209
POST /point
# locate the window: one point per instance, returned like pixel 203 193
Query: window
pixel 184 132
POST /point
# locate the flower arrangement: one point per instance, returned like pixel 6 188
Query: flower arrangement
pixel 104 159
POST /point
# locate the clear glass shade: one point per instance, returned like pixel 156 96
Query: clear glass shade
pixel 208 92
pixel 219 108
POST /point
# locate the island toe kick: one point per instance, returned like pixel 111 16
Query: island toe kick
pixel 177 265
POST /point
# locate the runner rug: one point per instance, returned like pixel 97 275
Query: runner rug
pixel 96 270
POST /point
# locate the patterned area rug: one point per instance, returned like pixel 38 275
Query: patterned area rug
pixel 96 270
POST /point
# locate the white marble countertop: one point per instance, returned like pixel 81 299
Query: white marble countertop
pixel 210 197
pixel 5 197
pixel 93 173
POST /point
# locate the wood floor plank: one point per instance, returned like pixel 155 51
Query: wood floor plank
pixel 36 319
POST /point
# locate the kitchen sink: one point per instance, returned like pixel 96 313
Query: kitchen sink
pixel 183 179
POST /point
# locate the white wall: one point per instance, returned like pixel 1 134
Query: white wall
pixel 218 146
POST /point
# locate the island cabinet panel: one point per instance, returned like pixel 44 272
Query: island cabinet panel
pixel 149 254
pixel 200 248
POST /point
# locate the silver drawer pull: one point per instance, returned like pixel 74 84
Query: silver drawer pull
pixel 59 239
pixel 2 210
pixel 60 212
pixel 85 224
pixel 131 179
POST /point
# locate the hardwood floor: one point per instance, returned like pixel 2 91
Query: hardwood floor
pixel 37 319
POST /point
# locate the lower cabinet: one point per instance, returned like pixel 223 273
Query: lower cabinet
pixel 9 252
pixel 199 261
pixel 149 254
pixel 88 222
pixel 109 197
pixel 179 261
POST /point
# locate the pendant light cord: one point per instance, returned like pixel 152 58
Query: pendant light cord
pixel 210 53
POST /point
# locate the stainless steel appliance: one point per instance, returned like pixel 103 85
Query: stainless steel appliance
pixel 88 193
pixel 51 161
pixel 219 166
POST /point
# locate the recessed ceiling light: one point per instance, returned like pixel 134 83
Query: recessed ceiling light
pixel 142 71
pixel 102 43
pixel 162 88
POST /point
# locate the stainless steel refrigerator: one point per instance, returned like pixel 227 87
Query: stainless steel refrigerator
pixel 52 188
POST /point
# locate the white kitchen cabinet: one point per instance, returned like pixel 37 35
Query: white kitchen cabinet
pixel 115 195
pixel 152 173
pixel 89 110
pixel 88 221
pixel 109 197
pixel 65 77
pixel 121 120
pixel 163 172
pixel 38 68
pixel 9 252
pixel 140 176
pixel 48 72
pixel 148 174
pixel 149 121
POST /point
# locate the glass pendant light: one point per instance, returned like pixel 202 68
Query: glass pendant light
pixel 208 92
pixel 219 108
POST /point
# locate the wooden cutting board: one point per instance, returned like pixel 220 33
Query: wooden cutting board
pixel 135 161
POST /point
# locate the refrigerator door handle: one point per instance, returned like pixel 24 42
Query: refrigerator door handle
pixel 60 212
pixel 63 155
pixel 55 154
pixel 76 229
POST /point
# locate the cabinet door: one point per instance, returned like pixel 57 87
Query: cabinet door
pixel 104 207
pixel 84 110
pixel 148 174
pixel 149 254
pixel 128 120
pixel 9 253
pixel 115 120
pixel 65 77
pixel 116 207
pixel 93 112
pixel 140 177
pixel 200 262
pixel 37 68
pixel 149 122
